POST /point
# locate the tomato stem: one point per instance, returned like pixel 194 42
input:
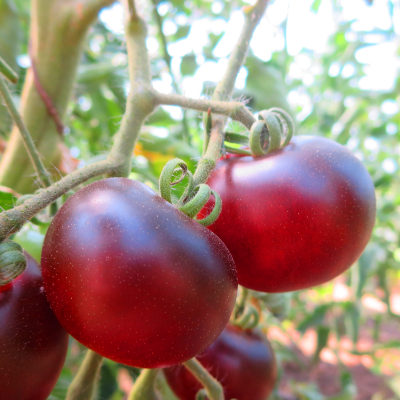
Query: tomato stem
pixel 224 90
pixel 8 72
pixel 211 385
pixel 143 389
pixel 41 172
pixel 84 384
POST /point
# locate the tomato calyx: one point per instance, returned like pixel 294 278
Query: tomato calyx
pixel 12 262
pixel 194 198
pixel 273 130
pixel 245 315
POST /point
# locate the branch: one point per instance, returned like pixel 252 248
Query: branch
pixel 8 72
pixel 225 89
pixel 232 109
pixel 212 386
pixel 12 220
pixel 41 172
pixel 237 58
pixel 141 100
pixel 84 384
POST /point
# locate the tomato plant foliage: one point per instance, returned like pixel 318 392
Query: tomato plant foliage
pixel 242 360
pixel 33 344
pixel 297 217
pixel 133 278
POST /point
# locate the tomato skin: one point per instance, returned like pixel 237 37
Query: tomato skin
pixel 133 278
pixel 295 218
pixel 33 344
pixel 243 361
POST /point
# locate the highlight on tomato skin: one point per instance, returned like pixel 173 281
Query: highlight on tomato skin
pixel 33 344
pixel 133 278
pixel 295 218
pixel 242 360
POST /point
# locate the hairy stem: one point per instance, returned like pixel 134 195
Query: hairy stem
pixel 41 172
pixel 232 109
pixel 83 385
pixel 141 99
pixel 143 389
pixel 212 386
pixel 225 88
pixel 12 220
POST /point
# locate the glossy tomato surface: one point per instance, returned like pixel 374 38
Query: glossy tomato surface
pixel 297 217
pixel 133 278
pixel 33 344
pixel 243 362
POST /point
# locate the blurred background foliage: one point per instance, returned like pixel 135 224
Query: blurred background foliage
pixel 333 64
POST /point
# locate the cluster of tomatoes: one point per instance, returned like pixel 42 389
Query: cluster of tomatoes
pixel 134 279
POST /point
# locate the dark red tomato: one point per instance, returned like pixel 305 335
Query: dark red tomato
pixel 133 278
pixel 297 217
pixel 242 361
pixel 33 344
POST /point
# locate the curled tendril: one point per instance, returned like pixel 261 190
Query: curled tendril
pixel 12 261
pixel 249 318
pixel 274 129
pixel 201 394
pixel 193 198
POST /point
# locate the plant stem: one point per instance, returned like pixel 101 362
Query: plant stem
pixel 8 72
pixel 41 172
pixel 141 100
pixel 143 389
pixel 13 220
pixel 213 387
pixel 225 88
pixel 233 109
pixel 84 384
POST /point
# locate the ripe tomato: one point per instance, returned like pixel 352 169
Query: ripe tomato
pixel 296 217
pixel 133 278
pixel 33 344
pixel 243 362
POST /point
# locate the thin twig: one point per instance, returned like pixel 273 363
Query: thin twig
pixel 225 89
pixel 43 175
pixel 12 220
pixel 232 109
pixel 8 72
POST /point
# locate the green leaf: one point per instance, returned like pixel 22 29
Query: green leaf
pixel 7 200
pixel 315 318
pixel 315 5
pixel 233 137
pixel 322 340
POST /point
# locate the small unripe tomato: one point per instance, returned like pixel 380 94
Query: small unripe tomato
pixel 243 361
pixel 133 278
pixel 33 344
pixel 296 217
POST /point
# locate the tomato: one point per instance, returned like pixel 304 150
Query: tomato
pixel 133 278
pixel 294 218
pixel 243 362
pixel 33 344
